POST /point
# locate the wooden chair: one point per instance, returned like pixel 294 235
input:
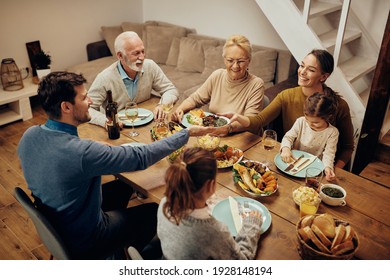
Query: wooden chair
pixel 46 231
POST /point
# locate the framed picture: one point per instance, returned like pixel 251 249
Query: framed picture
pixel 32 49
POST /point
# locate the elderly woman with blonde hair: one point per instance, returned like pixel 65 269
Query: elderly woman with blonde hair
pixel 232 89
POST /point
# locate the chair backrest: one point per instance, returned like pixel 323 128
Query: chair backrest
pixel 46 231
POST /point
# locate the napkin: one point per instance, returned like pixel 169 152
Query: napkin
pixel 235 213
pixel 311 159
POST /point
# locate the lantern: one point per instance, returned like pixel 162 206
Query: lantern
pixel 11 78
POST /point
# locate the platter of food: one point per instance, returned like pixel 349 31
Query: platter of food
pixel 202 118
pixel 227 156
pixel 158 132
pixel 255 178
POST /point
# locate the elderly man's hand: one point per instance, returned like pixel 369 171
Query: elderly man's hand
pixel 159 113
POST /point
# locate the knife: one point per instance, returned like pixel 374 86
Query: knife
pixel 291 166
pixel 297 168
pixel 234 209
pixel 141 117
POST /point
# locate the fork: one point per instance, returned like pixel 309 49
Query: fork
pixel 246 208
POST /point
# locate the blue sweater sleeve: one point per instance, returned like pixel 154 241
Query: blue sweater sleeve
pixel 99 159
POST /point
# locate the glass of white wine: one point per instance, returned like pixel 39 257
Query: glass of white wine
pixel 269 142
pixel 131 112
pixel 167 107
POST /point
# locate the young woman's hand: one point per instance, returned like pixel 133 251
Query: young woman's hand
pixel 177 116
pixel 329 174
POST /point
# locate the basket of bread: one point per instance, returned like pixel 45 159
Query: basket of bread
pixel 323 237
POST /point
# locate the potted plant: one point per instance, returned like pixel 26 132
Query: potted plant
pixel 42 61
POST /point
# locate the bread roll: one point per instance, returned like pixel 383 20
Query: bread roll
pixel 317 242
pixel 349 233
pixel 326 224
pixel 343 248
pixel 321 236
pixel 303 232
pixel 307 221
pixel 340 233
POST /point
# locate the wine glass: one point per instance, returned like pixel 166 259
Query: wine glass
pixel 314 178
pixel 131 112
pixel 269 142
pixel 167 107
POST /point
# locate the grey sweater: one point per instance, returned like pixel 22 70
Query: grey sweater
pixel 201 239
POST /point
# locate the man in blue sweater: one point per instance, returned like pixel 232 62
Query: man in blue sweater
pixel 64 173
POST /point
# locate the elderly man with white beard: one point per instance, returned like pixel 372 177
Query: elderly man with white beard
pixel 131 78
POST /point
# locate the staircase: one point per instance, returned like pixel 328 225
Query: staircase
pixel 329 24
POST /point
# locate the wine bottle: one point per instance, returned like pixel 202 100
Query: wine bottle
pixel 112 117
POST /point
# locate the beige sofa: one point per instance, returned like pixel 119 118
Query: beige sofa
pixel 187 58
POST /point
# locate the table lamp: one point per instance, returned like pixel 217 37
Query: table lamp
pixel 11 78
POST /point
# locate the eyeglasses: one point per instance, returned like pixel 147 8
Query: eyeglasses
pixel 240 61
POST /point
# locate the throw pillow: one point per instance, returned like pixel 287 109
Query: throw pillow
pixel 109 34
pixel 132 26
pixel 213 60
pixel 191 54
pixel 159 40
pixel 191 58
pixel 263 64
pixel 173 54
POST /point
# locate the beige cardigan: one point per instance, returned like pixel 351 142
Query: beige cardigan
pixel 152 79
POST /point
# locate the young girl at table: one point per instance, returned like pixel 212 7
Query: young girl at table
pixel 185 227
pixel 313 132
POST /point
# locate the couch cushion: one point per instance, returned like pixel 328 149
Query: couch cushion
pixel 163 23
pixel 133 26
pixel 159 40
pixel 90 69
pixel 213 60
pixel 191 57
pixel 182 80
pixel 109 34
pixel 263 64
pixel 217 41
pixel 173 52
pixel 191 54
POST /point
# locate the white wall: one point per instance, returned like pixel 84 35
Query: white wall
pixel 373 15
pixel 222 18
pixel 63 27
pixel 219 18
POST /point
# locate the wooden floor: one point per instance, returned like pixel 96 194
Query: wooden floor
pixel 18 237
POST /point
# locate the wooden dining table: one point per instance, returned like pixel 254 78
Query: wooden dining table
pixel 367 207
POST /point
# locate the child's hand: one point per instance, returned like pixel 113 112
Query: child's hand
pixel 329 174
pixel 286 155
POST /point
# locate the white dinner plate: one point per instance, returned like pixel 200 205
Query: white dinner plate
pixel 302 173
pixel 185 122
pixel 222 213
pixel 138 121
